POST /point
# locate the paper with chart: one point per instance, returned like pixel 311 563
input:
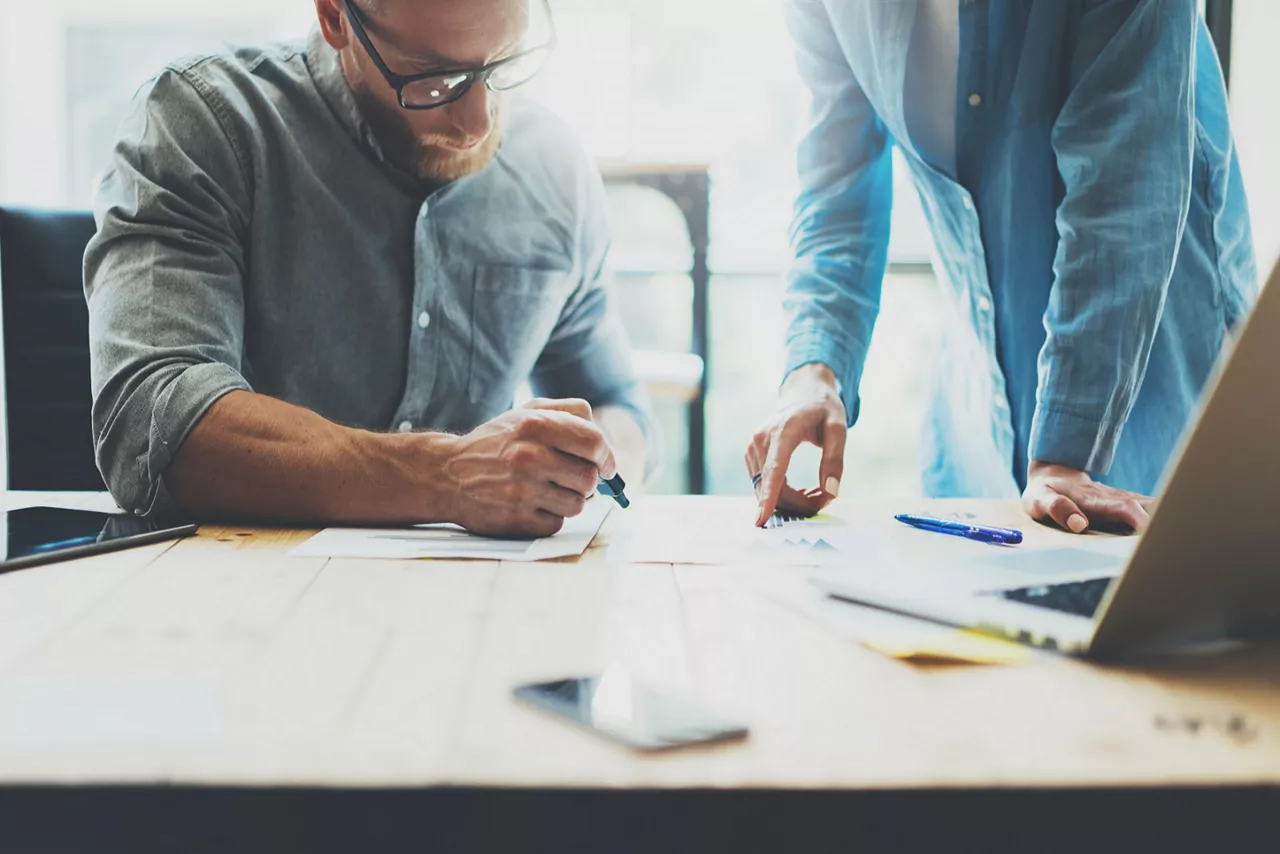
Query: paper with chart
pixel 449 542
pixel 722 533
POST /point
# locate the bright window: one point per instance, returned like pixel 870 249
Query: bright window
pixel 1255 68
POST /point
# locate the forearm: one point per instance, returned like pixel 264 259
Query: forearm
pixel 841 228
pixel 626 438
pixel 1127 184
pixel 255 457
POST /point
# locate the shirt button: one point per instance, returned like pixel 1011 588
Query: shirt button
pixel 975 100
pixel 424 320
pixel 406 427
pixel 984 305
pixel 967 203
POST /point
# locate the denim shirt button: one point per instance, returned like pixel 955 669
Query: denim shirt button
pixel 405 427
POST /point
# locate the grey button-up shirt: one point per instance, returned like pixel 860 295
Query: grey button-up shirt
pixel 253 236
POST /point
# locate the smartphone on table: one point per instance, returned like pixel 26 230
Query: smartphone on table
pixel 615 706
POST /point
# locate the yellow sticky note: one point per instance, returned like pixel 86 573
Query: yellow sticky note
pixel 951 647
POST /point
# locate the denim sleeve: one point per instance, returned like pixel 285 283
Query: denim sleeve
pixel 840 234
pixel 1124 144
pixel 164 288
pixel 589 353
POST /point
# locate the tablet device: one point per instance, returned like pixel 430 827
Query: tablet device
pixel 37 535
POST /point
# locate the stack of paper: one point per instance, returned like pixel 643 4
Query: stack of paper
pixel 894 635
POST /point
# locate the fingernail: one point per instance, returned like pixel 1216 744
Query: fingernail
pixel 1077 524
pixel 833 487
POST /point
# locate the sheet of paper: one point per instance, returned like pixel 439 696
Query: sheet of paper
pixel 895 635
pixel 719 536
pixel 449 542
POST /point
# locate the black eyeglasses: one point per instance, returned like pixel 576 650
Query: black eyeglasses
pixel 433 89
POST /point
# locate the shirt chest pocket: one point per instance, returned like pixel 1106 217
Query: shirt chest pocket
pixel 514 312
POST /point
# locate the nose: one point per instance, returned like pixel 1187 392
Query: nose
pixel 472 114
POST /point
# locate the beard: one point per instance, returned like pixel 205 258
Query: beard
pixel 438 165
pixel 427 158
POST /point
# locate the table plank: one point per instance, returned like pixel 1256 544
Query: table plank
pixel 567 621
pixel 37 605
pixel 141 673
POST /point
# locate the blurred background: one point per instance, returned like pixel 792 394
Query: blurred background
pixel 693 108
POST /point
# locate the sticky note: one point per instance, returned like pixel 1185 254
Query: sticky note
pixel 951 647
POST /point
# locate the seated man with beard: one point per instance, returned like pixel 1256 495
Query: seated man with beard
pixel 323 270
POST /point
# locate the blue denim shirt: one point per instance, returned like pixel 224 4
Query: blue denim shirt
pixel 252 235
pixel 1094 249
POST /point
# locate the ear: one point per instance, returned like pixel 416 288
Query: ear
pixel 333 24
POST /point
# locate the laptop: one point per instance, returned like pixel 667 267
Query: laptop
pixel 1208 567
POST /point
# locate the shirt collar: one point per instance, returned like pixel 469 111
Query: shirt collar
pixel 326 70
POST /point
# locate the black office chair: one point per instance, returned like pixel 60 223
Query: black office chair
pixel 48 402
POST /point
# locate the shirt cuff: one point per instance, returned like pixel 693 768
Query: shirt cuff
pixel 177 410
pixel 1078 442
pixel 636 404
pixel 816 347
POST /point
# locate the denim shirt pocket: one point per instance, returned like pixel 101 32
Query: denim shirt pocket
pixel 514 312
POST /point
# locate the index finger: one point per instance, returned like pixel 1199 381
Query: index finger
pixel 576 437
pixel 834 436
pixel 781 447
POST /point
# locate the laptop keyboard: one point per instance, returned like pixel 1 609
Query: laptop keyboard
pixel 1081 598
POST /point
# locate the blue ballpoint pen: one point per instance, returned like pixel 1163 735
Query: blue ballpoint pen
pixel 980 533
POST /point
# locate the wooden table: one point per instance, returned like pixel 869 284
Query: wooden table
pixel 216 688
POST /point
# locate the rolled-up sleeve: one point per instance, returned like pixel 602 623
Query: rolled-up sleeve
pixel 164 284
pixel 589 353
pixel 1124 143
pixel 841 230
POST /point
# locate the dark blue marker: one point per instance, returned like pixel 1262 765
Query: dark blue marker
pixel 613 488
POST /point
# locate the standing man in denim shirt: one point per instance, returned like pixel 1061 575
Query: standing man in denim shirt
pixel 1075 163
pixel 323 270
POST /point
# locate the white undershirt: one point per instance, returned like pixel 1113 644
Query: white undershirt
pixel 933 70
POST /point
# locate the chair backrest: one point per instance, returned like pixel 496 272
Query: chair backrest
pixel 48 400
